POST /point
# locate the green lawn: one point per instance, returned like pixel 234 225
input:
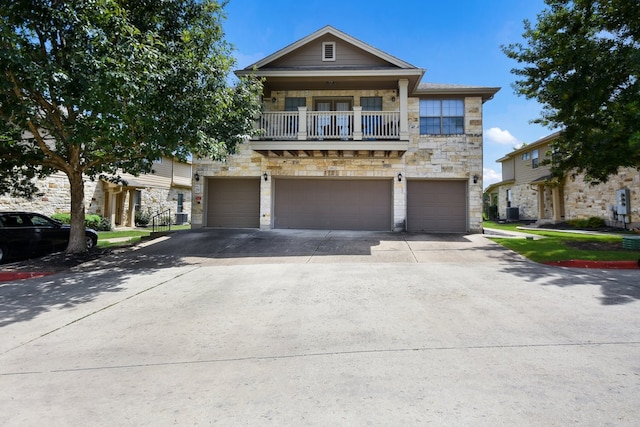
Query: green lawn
pixel 558 246
pixel 134 236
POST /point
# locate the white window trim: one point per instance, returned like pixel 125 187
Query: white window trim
pixel 324 51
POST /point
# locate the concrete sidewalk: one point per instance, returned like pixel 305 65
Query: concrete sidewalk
pixel 253 328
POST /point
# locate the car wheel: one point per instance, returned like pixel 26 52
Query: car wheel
pixel 90 242
pixel 3 253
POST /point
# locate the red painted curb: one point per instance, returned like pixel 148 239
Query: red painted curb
pixel 6 276
pixel 580 263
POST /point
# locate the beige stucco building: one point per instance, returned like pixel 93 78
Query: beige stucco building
pixel 528 191
pixel 351 138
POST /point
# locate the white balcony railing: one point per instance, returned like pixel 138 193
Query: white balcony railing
pixel 330 125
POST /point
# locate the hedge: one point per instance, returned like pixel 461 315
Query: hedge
pixel 91 221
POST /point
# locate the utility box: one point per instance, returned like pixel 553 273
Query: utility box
pixel 513 214
pixel 622 202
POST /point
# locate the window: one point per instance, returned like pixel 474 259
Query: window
pixel 509 200
pixel 441 116
pixel 292 104
pixel 534 159
pixel 371 103
pixel 526 156
pixel 329 51
pixel 180 202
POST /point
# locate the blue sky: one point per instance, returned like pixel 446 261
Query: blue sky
pixel 457 42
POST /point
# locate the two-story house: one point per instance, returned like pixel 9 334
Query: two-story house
pixel 351 139
pixel 529 192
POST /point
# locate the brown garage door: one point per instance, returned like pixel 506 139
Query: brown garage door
pixel 329 204
pixel 233 203
pixel 437 206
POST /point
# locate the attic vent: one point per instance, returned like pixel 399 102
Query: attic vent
pixel 329 51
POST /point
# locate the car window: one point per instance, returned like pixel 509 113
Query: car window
pixel 11 220
pixel 40 221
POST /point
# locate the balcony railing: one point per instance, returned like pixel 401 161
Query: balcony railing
pixel 354 125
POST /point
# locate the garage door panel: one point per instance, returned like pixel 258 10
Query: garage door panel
pixel 233 203
pixel 333 204
pixel 437 206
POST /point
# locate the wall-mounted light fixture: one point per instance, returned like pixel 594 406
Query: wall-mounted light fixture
pixel 393 99
pixel 274 100
pixel 399 177
pixel 196 177
pixel 265 176
pixel 475 179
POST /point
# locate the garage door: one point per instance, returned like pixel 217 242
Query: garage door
pixel 233 203
pixel 437 206
pixel 329 204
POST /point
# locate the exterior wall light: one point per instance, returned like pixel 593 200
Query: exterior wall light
pixel 265 176
pixel 274 100
pixel 399 177
pixel 196 177
pixel 475 179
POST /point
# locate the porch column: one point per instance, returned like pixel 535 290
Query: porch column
pixel 540 202
pixel 403 89
pixel 302 123
pixel 357 123
pixel 131 220
pixel 557 204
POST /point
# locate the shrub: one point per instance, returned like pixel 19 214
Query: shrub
pixel 142 219
pixel 592 222
pixel 94 221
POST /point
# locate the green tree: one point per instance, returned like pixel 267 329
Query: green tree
pixel 581 61
pixel 93 88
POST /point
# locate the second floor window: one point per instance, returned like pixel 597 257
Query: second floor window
pixel 371 103
pixel 441 116
pixel 534 159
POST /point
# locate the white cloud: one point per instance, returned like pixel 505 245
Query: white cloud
pixel 500 136
pixel 489 176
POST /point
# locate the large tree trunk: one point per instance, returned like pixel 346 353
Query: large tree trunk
pixel 77 240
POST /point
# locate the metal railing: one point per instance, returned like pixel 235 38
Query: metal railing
pixel 161 221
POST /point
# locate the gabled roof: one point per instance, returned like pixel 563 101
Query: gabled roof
pixel 336 33
pixel 542 141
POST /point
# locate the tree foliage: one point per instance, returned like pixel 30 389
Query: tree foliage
pixel 93 88
pixel 581 61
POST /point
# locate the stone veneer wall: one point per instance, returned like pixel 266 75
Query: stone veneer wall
pixel 428 157
pixel 582 200
pixel 525 198
pixel 55 197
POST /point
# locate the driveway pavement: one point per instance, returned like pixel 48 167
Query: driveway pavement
pixel 236 327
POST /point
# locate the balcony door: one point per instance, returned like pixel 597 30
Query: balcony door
pixel 334 125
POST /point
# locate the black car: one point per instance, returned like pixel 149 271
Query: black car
pixel 27 234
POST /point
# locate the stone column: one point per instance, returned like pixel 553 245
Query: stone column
pixel 131 219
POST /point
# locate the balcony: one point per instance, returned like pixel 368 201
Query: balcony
pixel 330 133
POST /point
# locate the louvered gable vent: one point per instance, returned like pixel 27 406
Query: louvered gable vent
pixel 329 51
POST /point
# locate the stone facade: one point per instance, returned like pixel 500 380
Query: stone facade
pixel 456 157
pixel 571 199
pixel 583 200
pixel 55 197
pixel 308 98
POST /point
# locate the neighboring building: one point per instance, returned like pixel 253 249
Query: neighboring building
pixel 167 187
pixel 351 140
pixel 528 191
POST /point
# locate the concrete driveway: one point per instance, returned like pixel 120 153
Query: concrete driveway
pixel 237 327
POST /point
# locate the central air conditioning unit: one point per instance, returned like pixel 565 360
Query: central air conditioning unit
pixel 513 214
